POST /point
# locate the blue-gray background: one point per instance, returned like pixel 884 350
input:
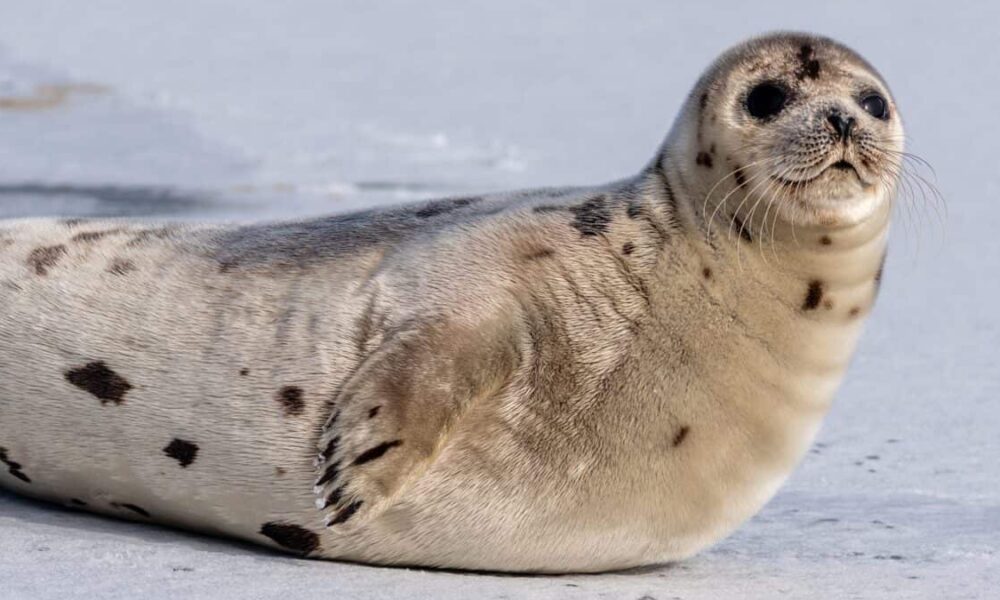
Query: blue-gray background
pixel 251 109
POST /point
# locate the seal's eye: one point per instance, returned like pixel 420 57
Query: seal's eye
pixel 766 100
pixel 876 106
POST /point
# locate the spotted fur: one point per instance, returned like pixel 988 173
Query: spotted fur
pixel 44 258
pixel 814 294
pixel 592 217
pixel 622 372
pixel 98 379
pixel 291 400
pixel 183 451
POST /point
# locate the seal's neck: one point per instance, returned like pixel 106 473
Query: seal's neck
pixel 802 292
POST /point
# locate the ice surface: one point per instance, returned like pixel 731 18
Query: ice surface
pixel 251 109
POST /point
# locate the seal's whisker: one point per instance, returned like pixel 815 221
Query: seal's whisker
pixel 739 185
pixel 747 222
pixel 722 203
pixel 771 182
pixel 904 166
pixel 754 179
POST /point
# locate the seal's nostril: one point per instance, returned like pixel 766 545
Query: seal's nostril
pixel 841 125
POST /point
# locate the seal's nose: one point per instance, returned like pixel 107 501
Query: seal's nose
pixel 841 125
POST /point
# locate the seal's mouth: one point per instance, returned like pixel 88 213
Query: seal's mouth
pixel 843 165
pixel 840 168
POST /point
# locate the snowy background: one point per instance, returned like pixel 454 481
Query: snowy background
pixel 246 109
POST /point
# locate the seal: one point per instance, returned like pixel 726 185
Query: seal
pixel 556 380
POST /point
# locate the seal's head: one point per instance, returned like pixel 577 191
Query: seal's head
pixel 800 120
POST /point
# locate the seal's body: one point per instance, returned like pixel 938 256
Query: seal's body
pixel 558 380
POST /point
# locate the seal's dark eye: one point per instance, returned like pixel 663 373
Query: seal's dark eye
pixel 876 106
pixel 766 100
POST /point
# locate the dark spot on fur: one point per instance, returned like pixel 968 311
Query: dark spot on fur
pixel 182 450
pixel 707 272
pixel 100 381
pixel 828 304
pixel 77 502
pixel 43 259
pixel 290 536
pixel 227 266
pixel 628 248
pixel 244 372
pixel 703 101
pixel 742 229
pixel 14 468
pixel 290 398
pixel 538 254
pixel 547 208
pixel 741 180
pixel 704 160
pixel 141 237
pixel 813 296
pixel 592 217
pixel 825 240
pixel 92 236
pixel 438 207
pixel 132 507
pixel 680 436
pixel 329 474
pixel 121 266
pixel 373 412
pixel 347 512
pixel 72 222
pixel 634 210
pixel 711 149
pixel 855 311
pixel 280 471
pixel 376 452
pixel 808 66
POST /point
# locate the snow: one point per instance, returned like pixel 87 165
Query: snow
pixel 250 110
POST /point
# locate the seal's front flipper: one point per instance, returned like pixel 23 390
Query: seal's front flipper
pixel 394 413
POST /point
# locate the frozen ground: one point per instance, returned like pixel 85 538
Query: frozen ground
pixel 244 110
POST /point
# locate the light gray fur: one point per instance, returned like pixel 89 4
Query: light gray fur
pixel 579 380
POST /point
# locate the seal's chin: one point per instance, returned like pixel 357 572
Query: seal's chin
pixel 838 195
